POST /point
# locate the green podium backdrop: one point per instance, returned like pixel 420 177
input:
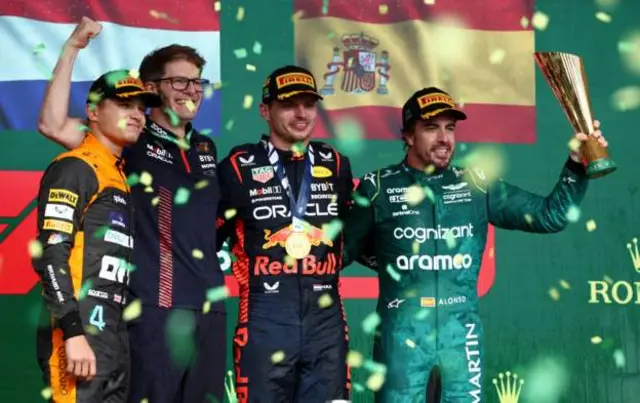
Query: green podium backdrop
pixel 547 316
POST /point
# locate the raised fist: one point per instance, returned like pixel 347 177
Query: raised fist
pixel 83 33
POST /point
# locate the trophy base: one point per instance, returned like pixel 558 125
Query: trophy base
pixel 600 167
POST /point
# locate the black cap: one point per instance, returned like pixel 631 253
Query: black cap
pixel 288 81
pixel 427 103
pixel 120 84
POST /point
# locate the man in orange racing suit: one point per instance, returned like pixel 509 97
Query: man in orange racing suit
pixel 85 230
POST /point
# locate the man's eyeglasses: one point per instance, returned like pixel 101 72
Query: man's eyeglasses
pixel 182 83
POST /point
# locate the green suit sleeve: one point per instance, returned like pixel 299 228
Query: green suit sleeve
pixel 513 208
pixel 359 222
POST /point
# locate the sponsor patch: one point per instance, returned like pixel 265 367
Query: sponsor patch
pixel 118 220
pixel 63 196
pixel 321 172
pixel 57 225
pixel 59 211
pixel 262 174
pixel 118 238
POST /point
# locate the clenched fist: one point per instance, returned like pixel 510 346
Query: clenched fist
pixel 86 30
pixel 81 361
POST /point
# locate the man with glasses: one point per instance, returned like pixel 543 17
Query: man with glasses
pixel 178 346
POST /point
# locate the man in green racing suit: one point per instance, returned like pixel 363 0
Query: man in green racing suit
pixel 428 252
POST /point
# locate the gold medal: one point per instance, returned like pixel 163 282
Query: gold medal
pixel 298 245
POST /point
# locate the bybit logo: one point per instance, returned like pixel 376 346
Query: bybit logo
pixel 620 292
pixel 509 389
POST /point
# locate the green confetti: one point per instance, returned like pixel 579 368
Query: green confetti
pixel 325 301
pixel 325 7
pixel 175 120
pixel 350 138
pixel 46 393
pixel 82 128
pixel 421 314
pixel 428 193
pixel 361 200
pixel 299 148
pixel 146 179
pixel 277 357
pixel 358 388
pixel 573 214
pixel 619 359
pixel 206 132
pixel 229 125
pixel 463 147
pixel 370 323
pixel 84 289
pixel 201 184
pixel 101 231
pixel 182 196
pixel 547 380
pixel 132 311
pixel 180 331
pixel 116 76
pixel 197 254
pixel 217 293
pixel 450 240
pixel 133 179
pixel 240 53
pixel 393 273
pixel 332 229
pixel 375 367
pixel 331 35
pixel 257 48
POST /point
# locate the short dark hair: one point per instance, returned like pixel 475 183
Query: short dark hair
pixel 404 131
pixel 153 65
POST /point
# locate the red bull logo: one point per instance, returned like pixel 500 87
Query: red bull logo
pixel 307 266
pixel 279 238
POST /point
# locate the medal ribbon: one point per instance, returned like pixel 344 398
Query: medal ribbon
pixel 298 207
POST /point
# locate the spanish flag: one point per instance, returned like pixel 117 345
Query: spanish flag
pixel 370 56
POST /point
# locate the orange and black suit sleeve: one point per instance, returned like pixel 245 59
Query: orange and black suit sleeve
pixel 65 191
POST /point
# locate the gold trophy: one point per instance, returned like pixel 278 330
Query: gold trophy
pixel 565 75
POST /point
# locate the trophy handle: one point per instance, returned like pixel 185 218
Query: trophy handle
pixel 596 159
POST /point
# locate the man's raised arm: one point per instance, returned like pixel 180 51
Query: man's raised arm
pixel 54 121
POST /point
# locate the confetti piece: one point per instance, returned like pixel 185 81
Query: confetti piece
pixel 524 22
pixel 84 289
pixel 607 4
pixel 133 179
pixel 619 359
pixel 197 254
pixel 573 214
pixel 607 279
pixel 248 100
pixel 251 67
pixel 206 307
pixel 325 7
pixel 393 273
pixel 332 229
pixel 415 194
pixel 190 105
pixel 350 136
pixel 354 359
pixel 547 380
pixel 46 393
pixel 173 118
pixel 415 247
pixel 146 179
pixel 410 343
pixel 134 73
pixel 101 231
pixel 277 357
pixel 35 249
pixel 230 213
pixel 626 98
pixel 383 9
pixel 452 42
pixel 540 20
pixel 591 225
pixel 39 48
pixel 629 49
pixel 554 294
pixel 297 15
pixel 229 125
pixel 325 301
pixel 358 388
pixel 565 284
pixel 122 123
pixel 370 323
pixel 596 340
pixel 257 48
pixel 375 382
pixel 497 56
pixel 182 196
pixel 361 200
pixel 208 91
pixel 430 2
pixel 217 293
pixel 217 6
pixel 240 14
pixel 604 17
pixel 132 311
pixel 155 201
pixel 528 218
pixel 574 144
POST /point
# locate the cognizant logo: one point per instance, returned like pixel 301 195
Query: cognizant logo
pixel 437 262
pixel 423 234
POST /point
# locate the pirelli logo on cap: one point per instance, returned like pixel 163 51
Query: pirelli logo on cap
pixel 437 98
pixel 293 79
pixel 57 225
pixel 427 302
pixel 130 82
pixel 63 196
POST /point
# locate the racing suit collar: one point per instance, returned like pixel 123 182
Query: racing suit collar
pixel 94 144
pixel 420 175
pixel 285 155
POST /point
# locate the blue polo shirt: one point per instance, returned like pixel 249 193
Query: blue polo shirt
pixel 175 204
